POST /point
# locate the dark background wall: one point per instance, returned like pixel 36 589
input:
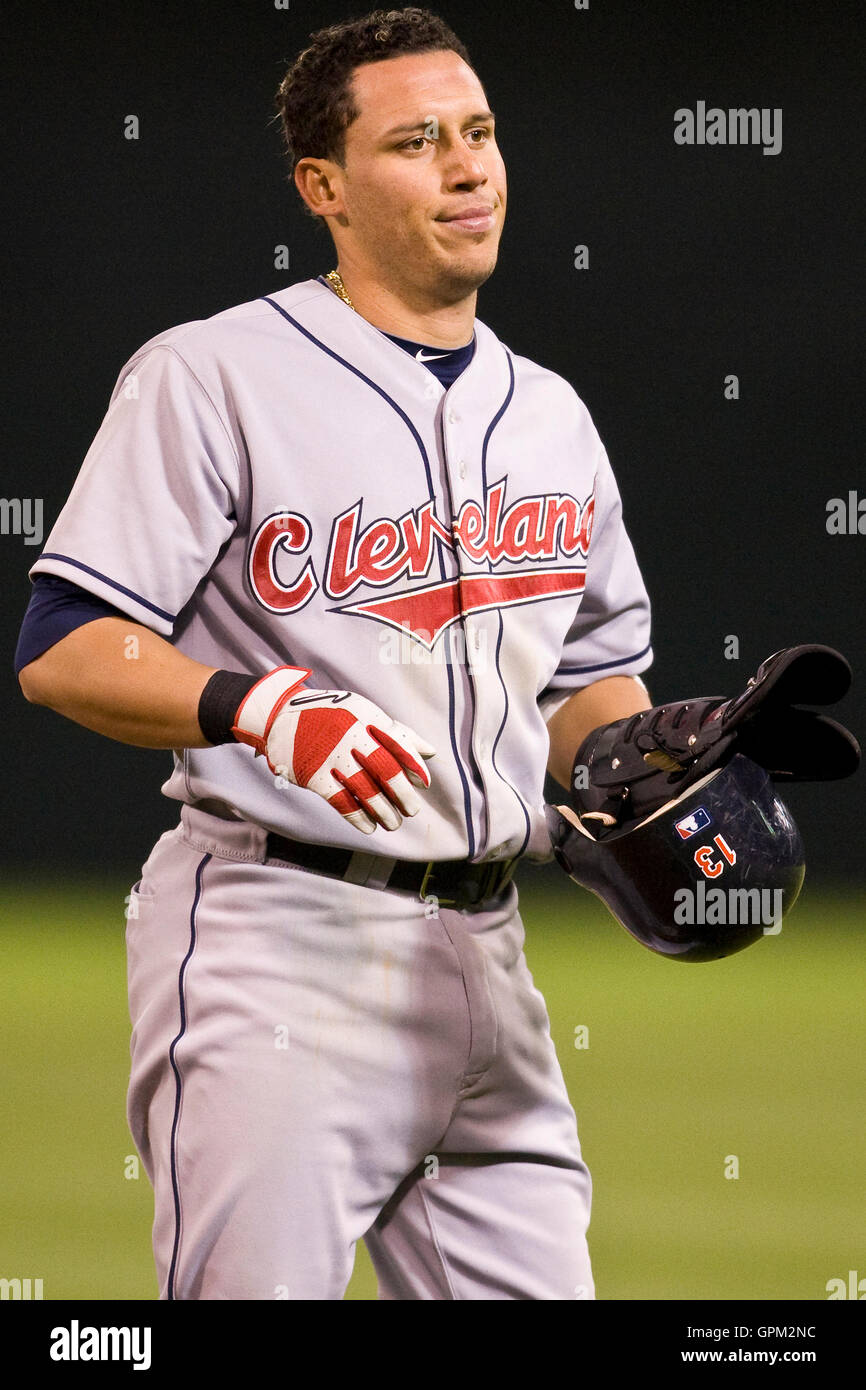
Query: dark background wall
pixel 703 262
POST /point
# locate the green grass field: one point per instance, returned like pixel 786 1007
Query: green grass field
pixel 762 1056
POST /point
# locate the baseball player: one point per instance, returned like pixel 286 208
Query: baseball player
pixel 363 569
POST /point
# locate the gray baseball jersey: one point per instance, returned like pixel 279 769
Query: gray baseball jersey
pixel 282 484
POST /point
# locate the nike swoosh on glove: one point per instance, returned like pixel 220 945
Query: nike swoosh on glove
pixel 338 744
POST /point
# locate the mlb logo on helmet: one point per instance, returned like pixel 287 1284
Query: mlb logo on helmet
pixel 690 825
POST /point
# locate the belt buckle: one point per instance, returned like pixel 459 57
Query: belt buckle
pixel 495 876
pixel 425 883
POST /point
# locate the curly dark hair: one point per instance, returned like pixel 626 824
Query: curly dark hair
pixel 314 100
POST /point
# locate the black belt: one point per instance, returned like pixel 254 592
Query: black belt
pixel 451 882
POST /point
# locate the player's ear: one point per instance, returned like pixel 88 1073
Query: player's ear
pixel 319 182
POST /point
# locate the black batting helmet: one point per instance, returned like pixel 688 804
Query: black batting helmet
pixel 702 877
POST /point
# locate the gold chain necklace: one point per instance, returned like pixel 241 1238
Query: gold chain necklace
pixel 335 280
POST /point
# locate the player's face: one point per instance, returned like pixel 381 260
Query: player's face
pixel 423 186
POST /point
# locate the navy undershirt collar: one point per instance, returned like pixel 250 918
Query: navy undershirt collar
pixel 446 364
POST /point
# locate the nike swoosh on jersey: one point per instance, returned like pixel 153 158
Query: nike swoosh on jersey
pixel 434 357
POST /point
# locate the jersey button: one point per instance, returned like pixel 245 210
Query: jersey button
pixel 452 416
pixel 461 467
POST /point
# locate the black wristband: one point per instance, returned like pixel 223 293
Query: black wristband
pixel 219 704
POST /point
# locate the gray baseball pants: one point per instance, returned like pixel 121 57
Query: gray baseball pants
pixel 316 1062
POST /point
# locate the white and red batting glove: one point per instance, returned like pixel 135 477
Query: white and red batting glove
pixel 337 744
